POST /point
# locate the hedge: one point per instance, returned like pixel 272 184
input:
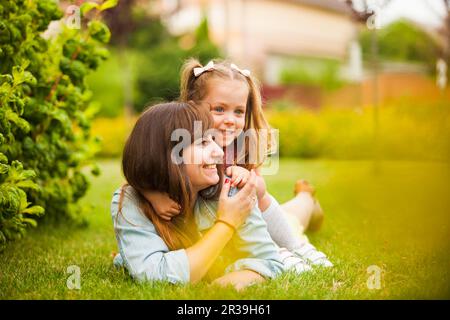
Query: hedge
pixel 46 112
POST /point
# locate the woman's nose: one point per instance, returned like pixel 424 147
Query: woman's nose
pixel 216 151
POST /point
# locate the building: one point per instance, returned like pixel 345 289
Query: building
pixel 267 35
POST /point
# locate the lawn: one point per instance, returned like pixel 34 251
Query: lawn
pixel 397 219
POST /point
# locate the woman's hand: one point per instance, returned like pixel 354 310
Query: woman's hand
pixel 239 279
pixel 236 209
pixel 239 176
pixel 163 205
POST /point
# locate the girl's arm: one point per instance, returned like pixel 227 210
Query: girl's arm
pixel 239 177
pixel 147 257
pixel 264 199
pixel 163 205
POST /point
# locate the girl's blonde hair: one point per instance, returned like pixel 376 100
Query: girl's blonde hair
pixel 194 88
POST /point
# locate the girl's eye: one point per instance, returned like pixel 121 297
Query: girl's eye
pixel 239 111
pixel 218 109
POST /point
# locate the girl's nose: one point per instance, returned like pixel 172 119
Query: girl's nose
pixel 228 119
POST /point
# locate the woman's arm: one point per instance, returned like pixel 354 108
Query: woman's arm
pixel 254 239
pixel 202 254
pixel 145 254
pixel 147 257
pixel 239 279
pixel 233 211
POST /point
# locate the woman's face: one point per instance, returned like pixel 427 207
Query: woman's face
pixel 201 159
pixel 228 102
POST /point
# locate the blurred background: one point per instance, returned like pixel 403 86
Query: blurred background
pixel 340 79
pixel 359 93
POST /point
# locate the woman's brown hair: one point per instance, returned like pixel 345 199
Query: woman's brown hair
pixel 147 166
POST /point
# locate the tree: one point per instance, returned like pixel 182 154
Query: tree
pixel 158 75
pixel 367 15
pixel 403 41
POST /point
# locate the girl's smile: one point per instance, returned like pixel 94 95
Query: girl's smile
pixel 228 102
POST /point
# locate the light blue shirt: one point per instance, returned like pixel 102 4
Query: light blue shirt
pixel 146 256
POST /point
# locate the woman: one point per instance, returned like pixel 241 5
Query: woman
pixel 233 98
pixel 208 234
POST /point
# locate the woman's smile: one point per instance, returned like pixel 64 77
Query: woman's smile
pixel 203 173
pixel 210 169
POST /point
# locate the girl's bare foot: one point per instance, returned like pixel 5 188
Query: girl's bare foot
pixel 303 186
pixel 317 214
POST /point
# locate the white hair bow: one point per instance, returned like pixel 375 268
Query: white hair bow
pixel 245 72
pixel 199 70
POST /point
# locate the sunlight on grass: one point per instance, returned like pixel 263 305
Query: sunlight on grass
pixel 396 219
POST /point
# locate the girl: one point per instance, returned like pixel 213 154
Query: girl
pixel 196 244
pixel 233 98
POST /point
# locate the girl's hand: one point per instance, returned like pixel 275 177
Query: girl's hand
pixel 164 207
pixel 260 187
pixel 239 176
pixel 236 209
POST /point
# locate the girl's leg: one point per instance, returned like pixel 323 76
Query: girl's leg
pixel 304 209
pixel 282 227
pixel 287 232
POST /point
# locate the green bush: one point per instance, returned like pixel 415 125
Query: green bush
pixel 45 113
pixel 323 73
pixel 402 41
pixel 406 131
pixel 106 85
pixel 158 70
pixel 113 133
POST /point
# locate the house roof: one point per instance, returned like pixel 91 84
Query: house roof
pixel 337 6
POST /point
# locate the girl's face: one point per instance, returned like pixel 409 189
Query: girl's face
pixel 200 159
pixel 228 102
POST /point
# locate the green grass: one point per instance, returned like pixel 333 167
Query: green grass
pixel 397 219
